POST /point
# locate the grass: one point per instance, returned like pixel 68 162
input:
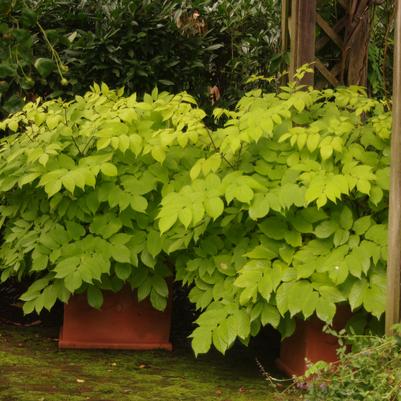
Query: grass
pixel 33 369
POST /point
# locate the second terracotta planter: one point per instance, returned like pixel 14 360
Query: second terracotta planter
pixel 121 323
pixel 310 343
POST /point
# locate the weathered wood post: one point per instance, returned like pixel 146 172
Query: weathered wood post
pixel 302 33
pixel 394 227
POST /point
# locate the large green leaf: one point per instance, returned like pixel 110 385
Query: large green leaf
pixel 201 340
pixel 95 297
pixel 7 70
pixel 44 66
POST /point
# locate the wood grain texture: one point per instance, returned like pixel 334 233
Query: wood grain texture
pixel 303 18
pixel 394 227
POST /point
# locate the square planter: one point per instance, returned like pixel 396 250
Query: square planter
pixel 121 323
pixel 310 343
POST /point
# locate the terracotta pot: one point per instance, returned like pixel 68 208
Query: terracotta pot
pixel 309 342
pixel 121 323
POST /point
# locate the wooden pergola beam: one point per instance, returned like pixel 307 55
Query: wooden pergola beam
pixel 394 224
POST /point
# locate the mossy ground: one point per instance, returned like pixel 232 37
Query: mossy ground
pixel 33 369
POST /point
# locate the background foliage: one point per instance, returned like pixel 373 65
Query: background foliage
pixel 137 44
pixel 57 47
pixel 381 49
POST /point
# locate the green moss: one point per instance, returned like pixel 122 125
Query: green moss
pixel 33 369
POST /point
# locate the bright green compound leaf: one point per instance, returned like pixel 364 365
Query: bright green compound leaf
pixel 248 278
pixel 109 169
pixel 261 252
pixel 214 207
pixel 185 216
pixel 270 315
pixel 313 142
pixel 296 293
pixel 274 227
pixel 201 340
pixel 293 238
pixel 165 223
pixel 39 262
pixel 53 187
pixel 309 303
pixel 325 310
pixel 136 144
pixel 123 270
pixel 326 151
pixel 339 273
pixel 121 253
pixel 154 243
pixel 265 286
pixel 282 297
pixel 286 327
pixel 358 293
pixel 301 224
pixel 340 237
pixel 160 286
pixel 220 338
pixel 49 296
pixel 75 230
pixel 95 297
pixel 346 218
pixel 73 282
pixel 259 208
pixel 159 154
pixel 326 229
pixel 377 233
pixel 67 266
pixel 374 301
pixel 362 224
pixel 243 323
pixel 158 302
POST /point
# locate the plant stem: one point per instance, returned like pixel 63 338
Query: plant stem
pixel 218 151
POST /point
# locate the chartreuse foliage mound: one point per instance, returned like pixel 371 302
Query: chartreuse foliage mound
pixel 81 184
pixel 279 214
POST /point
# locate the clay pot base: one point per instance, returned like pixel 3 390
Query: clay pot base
pixel 121 323
pixel 310 343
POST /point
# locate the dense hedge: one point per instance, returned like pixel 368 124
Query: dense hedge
pixel 58 47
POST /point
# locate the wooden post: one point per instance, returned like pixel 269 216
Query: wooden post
pixel 394 227
pixel 303 27
pixel 284 26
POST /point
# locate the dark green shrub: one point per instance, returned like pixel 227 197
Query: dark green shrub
pixel 136 44
pixel 29 65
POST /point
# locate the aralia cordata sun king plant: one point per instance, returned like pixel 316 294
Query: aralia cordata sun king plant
pixel 280 214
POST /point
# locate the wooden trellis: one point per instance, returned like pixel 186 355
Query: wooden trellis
pixel 306 34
